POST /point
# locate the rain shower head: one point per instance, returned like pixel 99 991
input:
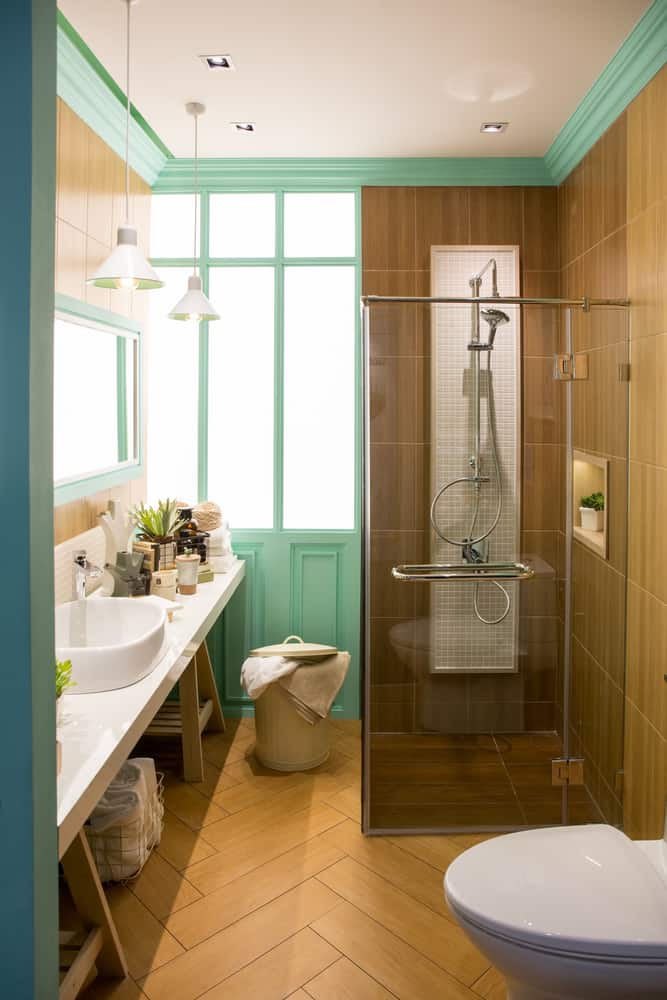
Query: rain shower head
pixel 494 317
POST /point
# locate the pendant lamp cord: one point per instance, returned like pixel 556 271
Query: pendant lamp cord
pixel 127 117
pixel 194 248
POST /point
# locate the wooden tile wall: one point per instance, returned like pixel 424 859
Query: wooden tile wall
pixel 399 227
pixel 613 212
pixel 89 206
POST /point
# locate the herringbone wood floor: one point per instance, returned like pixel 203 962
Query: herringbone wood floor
pixel 263 887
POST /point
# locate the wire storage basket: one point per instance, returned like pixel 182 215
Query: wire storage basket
pixel 121 849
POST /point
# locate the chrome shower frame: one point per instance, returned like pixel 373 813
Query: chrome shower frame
pixel 585 304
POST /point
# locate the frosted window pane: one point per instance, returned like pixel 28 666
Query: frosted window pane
pixel 85 437
pixel 320 310
pixel 242 225
pixel 240 430
pixel 172 225
pixel 172 394
pixel 319 225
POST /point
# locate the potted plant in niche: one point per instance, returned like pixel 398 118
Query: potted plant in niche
pixel 592 512
pixel 63 681
pixel 157 528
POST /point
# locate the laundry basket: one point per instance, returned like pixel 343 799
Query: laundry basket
pixel 284 740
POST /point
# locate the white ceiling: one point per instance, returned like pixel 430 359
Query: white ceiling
pixel 360 77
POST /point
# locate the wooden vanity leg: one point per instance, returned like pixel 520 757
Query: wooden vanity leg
pixel 92 906
pixel 209 688
pixel 188 689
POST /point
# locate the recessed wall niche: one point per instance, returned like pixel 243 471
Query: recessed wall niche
pixel 590 474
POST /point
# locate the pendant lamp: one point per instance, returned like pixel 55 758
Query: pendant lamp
pixel 194 305
pixel 126 267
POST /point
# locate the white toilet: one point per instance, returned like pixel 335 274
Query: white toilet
pixel 576 912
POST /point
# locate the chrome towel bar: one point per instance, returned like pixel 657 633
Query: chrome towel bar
pixel 472 572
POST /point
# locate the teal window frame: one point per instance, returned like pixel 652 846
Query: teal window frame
pixel 127 469
pixel 279 262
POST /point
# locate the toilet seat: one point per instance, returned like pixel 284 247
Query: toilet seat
pixel 584 892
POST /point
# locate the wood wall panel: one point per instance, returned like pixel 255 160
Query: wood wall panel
pixel 90 202
pixel 613 212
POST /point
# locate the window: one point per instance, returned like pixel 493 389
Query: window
pixel 259 412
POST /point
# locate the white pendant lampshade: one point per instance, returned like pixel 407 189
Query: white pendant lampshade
pixel 194 305
pixel 126 267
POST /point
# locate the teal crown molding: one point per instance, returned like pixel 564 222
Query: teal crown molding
pixel 91 92
pixel 177 175
pixel 84 84
pixel 640 57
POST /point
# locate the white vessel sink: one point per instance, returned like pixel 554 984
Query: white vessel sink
pixel 111 641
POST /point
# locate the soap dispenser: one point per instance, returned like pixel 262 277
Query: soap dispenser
pixel 129 577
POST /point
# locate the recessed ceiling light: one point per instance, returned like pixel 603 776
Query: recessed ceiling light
pixel 243 126
pixel 218 62
pixel 493 127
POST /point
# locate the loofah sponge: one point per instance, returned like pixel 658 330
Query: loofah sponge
pixel 207 515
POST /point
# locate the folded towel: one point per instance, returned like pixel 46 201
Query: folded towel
pixel 222 564
pixel 259 671
pixel 124 800
pixel 219 541
pixel 314 685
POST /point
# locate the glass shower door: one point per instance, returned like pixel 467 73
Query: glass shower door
pixel 469 683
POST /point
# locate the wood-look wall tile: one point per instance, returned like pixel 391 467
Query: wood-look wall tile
pixel 661 246
pixel 70 260
pixel 593 196
pixel 647 146
pixel 644 393
pixel 647 656
pixel 388 228
pixel 96 254
pixel 393 387
pixel 392 652
pixel 645 782
pixel 541 402
pixel 392 325
pixel 101 166
pixel 496 215
pixel 442 218
pixel 539 324
pixel 423 314
pixel 72 169
pixel 539 250
pixel 614 179
pixel 647 544
pixel 390 598
pixel 392 471
pixel 541 487
pixel 571 216
pixel 643 274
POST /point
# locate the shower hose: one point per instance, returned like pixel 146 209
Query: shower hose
pixel 472 540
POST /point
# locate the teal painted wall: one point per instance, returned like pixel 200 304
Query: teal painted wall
pixel 28 901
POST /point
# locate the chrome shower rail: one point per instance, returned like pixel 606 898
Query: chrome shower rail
pixel 511 300
pixel 470 572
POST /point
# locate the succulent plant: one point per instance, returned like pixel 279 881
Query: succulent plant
pixel 159 524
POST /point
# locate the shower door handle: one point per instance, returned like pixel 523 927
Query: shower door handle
pixel 470 572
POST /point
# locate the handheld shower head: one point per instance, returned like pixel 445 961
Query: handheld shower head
pixel 494 317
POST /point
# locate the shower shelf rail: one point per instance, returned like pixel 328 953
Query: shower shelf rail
pixel 470 572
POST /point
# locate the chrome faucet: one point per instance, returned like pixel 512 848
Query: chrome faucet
pixel 82 571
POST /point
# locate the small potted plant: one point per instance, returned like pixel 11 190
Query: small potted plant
pixel 157 528
pixel 63 681
pixel 592 512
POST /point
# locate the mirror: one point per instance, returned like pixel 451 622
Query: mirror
pixel 96 399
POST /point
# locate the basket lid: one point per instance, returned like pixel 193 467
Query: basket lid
pixel 295 648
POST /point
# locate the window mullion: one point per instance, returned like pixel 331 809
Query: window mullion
pixel 279 355
pixel 202 394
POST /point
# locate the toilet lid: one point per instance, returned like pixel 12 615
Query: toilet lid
pixel 581 889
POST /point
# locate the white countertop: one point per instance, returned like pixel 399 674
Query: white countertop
pixel 99 731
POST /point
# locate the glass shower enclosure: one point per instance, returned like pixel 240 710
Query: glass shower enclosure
pixel 496 460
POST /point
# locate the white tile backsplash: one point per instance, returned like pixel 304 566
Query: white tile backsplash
pixel 460 642
pixel 63 555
